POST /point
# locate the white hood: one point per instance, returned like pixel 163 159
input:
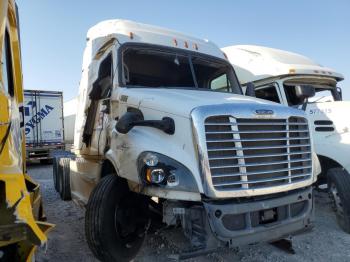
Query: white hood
pixel 181 101
pixel 338 112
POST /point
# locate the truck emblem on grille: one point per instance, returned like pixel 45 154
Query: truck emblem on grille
pixel 264 112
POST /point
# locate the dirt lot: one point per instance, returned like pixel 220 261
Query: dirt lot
pixel 67 241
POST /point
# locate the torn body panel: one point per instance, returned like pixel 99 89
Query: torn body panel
pixel 22 219
pixel 21 213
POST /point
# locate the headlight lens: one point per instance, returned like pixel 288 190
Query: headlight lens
pixel 155 176
pixel 159 170
pixel 150 159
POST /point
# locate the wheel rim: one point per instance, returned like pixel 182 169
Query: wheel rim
pixel 129 220
pixel 337 204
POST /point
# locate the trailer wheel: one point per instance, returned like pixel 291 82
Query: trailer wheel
pixel 64 179
pixel 55 166
pixel 116 220
pixel 339 191
pixel 59 175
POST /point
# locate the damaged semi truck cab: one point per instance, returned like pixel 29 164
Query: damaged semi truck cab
pixel 162 129
pixel 21 213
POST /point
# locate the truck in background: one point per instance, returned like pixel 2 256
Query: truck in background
pixel 70 109
pixel 22 226
pixel 44 125
pixel 297 81
pixel 163 131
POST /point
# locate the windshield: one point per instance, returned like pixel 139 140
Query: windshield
pixel 169 68
pixel 322 94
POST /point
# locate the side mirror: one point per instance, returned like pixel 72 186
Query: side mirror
pixel 128 120
pixel 304 91
pixel 135 118
pixel 250 89
pixel 337 94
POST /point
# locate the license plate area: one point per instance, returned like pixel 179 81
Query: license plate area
pixel 268 216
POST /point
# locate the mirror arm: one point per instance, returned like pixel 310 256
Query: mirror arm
pixel 306 100
pixel 167 124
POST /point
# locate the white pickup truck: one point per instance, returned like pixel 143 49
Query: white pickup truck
pixel 285 77
pixel 163 128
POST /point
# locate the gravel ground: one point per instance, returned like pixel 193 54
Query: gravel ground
pixel 326 242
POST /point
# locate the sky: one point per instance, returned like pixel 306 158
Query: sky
pixel 53 33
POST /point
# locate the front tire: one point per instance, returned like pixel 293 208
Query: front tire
pixel 339 191
pixel 116 220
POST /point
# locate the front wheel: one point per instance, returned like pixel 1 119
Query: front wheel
pixel 116 220
pixel 339 191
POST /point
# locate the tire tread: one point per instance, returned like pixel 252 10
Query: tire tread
pixel 341 178
pixel 93 216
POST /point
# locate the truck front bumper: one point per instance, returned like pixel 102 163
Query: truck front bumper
pixel 246 221
pixel 263 220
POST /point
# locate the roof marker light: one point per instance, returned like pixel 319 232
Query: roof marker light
pixel 323 72
pixel 131 35
pixel 291 71
pixel 330 73
pixel 186 44
pixel 195 46
pixel 225 55
pixel 316 71
pixel 175 42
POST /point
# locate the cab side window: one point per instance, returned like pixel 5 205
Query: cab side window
pixel 268 93
pixel 292 98
pixel 220 83
pixel 102 86
pixel 6 63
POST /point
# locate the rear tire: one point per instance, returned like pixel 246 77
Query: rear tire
pixel 64 179
pixel 116 220
pixel 55 165
pixel 339 191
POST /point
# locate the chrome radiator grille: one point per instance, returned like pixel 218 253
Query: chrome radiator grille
pixel 257 153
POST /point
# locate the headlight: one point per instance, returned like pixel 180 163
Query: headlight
pixel 150 159
pixel 155 176
pixel 159 170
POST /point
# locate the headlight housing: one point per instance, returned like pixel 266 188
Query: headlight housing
pixel 159 170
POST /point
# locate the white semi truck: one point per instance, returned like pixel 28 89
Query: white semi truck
pixel 162 128
pixel 284 77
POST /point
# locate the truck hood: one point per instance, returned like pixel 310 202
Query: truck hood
pixel 180 101
pixel 337 112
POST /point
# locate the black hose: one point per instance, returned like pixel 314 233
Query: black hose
pixel 3 140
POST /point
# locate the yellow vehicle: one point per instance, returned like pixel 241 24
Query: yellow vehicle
pixel 21 213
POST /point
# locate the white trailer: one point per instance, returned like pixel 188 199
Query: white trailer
pixel 286 78
pixel 70 109
pixel 44 128
pixel 163 131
